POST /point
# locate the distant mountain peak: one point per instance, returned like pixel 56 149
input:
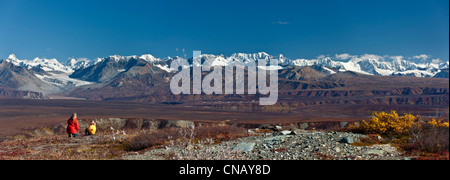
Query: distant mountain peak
pixel 302 73
pixel 12 57
pixel 78 63
pixel 149 58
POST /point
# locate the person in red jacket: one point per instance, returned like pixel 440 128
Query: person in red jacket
pixel 73 126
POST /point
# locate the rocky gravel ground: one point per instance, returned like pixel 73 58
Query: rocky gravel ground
pixel 284 145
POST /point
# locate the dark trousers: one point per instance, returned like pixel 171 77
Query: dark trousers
pixel 74 135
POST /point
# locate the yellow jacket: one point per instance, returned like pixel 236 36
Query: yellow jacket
pixel 92 129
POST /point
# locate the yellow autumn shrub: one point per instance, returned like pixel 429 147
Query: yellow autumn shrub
pixel 438 123
pixel 383 123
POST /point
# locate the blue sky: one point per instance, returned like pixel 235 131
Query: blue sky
pixel 298 29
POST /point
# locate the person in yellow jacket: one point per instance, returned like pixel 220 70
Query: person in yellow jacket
pixel 91 129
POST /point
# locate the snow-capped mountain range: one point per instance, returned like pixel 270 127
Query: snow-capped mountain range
pixel 377 65
pixel 58 74
pixel 366 64
pixel 44 64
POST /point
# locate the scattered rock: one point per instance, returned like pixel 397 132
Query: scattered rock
pixel 307 145
pixel 264 126
pixel 408 158
pixel 377 152
pixel 304 125
pixel 272 127
pixel 275 138
pixel 244 147
pixel 251 131
pixel 285 132
pixel 343 124
pixel 347 140
pixel 337 149
pixel 277 128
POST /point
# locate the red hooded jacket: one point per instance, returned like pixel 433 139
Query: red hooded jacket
pixel 72 126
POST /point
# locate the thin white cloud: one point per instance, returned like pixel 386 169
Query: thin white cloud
pixel 343 56
pixel 422 57
pixel 321 57
pixel 281 22
pixel 399 58
pixel 436 61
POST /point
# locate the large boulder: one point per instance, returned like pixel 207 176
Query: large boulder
pixel 150 124
pixel 286 132
pixel 244 147
pixel 347 140
pixel 175 123
pixel 105 123
pixel 134 124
